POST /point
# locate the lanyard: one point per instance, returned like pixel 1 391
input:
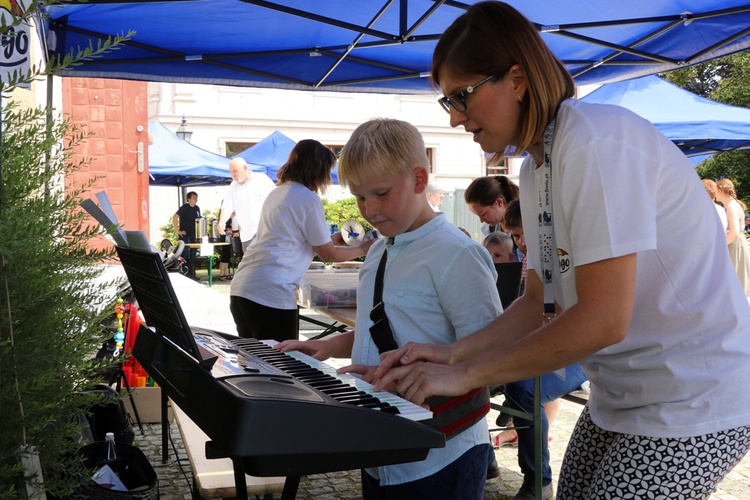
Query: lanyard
pixel 547 248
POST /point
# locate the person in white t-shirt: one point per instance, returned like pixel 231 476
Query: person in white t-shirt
pixel 648 305
pixel 291 231
pixel 244 199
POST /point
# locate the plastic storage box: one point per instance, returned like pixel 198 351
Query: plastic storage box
pixel 329 288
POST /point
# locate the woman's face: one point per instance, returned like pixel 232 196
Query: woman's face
pixel 493 111
pixel 492 214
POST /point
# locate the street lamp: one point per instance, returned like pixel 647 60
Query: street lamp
pixel 184 132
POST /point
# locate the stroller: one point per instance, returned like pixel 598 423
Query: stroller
pixel 171 255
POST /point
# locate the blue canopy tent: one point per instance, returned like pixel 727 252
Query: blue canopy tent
pixel 175 162
pixel 376 46
pixel 696 124
pixel 271 153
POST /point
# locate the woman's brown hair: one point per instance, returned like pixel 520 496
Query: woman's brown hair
pixel 489 39
pixel 310 163
pixel 486 190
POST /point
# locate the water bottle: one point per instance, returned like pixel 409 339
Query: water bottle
pixel 108 454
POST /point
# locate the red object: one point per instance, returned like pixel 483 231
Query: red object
pixel 131 333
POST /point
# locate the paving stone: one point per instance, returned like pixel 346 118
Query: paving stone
pixel 175 476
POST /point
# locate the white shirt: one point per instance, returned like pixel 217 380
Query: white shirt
pixel 722 215
pixel 439 286
pixel 292 223
pixel 246 201
pixel 621 187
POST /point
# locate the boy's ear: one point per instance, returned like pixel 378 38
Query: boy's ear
pixel 421 176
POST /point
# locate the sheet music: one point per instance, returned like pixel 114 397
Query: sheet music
pixel 110 226
pixel 105 215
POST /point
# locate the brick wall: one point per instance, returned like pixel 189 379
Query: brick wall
pixel 112 110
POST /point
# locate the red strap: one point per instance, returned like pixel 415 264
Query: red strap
pixel 453 402
pixel 471 417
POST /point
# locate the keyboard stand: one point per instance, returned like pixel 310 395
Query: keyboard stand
pixel 536 421
pixel 291 483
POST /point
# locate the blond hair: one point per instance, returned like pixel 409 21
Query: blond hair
pixel 499 238
pixel 382 145
pixel 727 187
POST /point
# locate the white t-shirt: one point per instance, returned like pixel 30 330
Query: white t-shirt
pixel 439 286
pixel 621 187
pixel 292 223
pixel 246 201
pixel 722 215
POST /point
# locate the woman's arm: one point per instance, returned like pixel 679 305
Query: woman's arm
pixel 606 294
pixel 333 253
pixel 521 318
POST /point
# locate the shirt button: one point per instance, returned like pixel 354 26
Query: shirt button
pixel 400 294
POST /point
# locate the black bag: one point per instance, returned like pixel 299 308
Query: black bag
pixel 110 416
pixel 136 472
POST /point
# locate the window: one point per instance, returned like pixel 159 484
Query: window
pixel 499 169
pixel 234 148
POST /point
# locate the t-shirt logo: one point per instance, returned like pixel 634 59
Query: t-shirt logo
pixel 564 260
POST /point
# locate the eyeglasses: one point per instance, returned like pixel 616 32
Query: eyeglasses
pixel 458 100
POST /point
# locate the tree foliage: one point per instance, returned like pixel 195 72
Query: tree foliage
pixel 51 300
pixel 338 212
pixel 725 80
pixel 50 303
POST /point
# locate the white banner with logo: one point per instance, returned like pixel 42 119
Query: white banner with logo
pixel 15 43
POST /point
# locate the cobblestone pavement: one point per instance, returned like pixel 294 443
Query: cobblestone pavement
pixel 175 476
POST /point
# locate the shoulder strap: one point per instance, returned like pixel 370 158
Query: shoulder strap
pixel 380 330
pixel 377 297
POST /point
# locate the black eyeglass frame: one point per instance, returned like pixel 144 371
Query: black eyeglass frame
pixel 458 100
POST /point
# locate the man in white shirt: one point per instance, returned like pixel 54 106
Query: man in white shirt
pixel 435 195
pixel 245 198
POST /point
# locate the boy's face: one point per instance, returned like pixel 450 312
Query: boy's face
pixel 393 204
pixel 498 254
pixel 518 237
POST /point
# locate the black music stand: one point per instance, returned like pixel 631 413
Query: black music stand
pixel 115 379
pixel 158 302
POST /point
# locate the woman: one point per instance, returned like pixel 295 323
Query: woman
pixel 291 231
pixel 487 198
pixel 648 305
pixel 739 253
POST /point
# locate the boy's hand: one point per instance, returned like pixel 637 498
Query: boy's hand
pixel 318 349
pixel 365 371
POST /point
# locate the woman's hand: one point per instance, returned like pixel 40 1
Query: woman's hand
pixel 420 380
pixel 337 239
pixel 412 352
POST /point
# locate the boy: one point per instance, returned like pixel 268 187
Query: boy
pixel 500 246
pixel 438 286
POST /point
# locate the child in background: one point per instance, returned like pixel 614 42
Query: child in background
pixel 438 286
pixel 500 246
